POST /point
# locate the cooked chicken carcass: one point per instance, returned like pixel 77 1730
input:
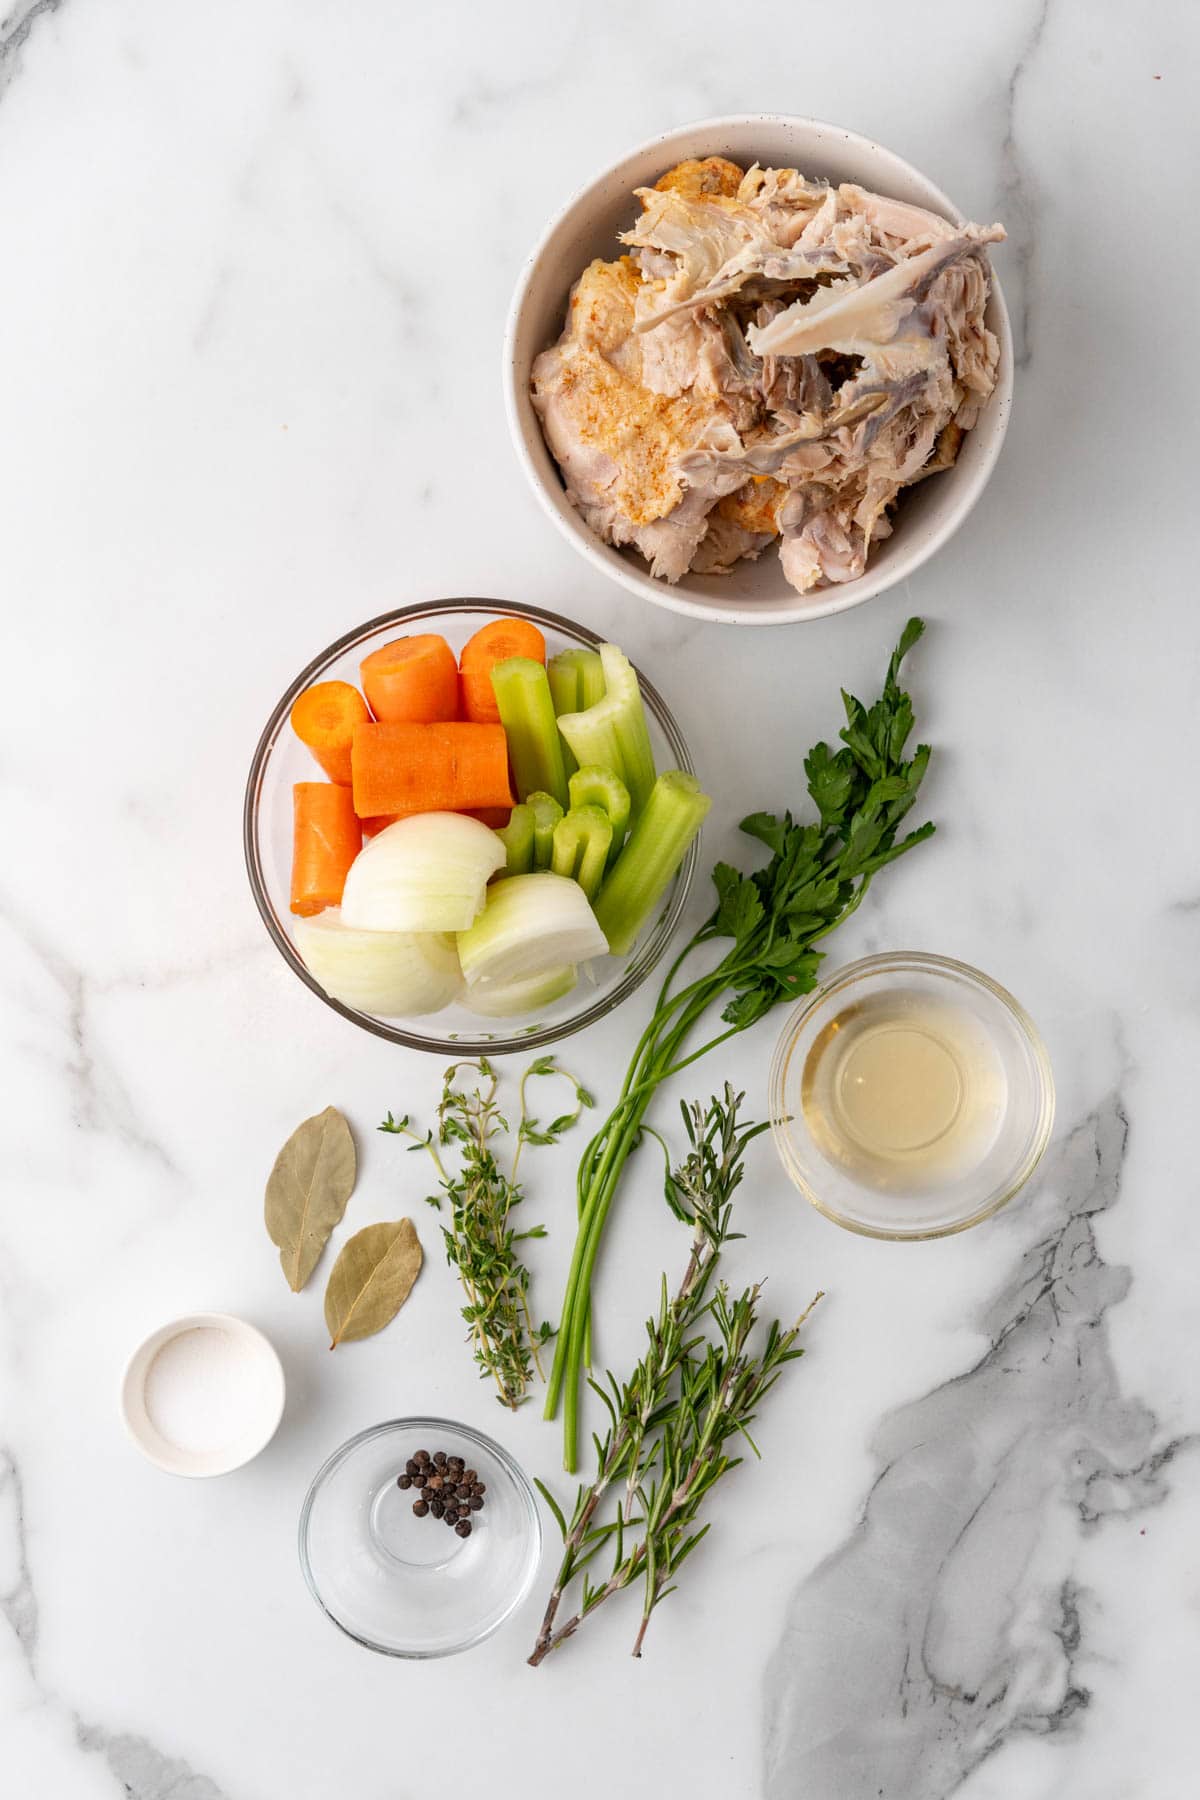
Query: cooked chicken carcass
pixel 775 360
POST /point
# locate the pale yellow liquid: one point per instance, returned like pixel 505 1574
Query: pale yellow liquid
pixel 904 1092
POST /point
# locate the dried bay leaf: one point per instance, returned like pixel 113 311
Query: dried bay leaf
pixel 307 1192
pixel 371 1279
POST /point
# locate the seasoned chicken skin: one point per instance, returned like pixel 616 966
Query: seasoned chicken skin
pixel 774 360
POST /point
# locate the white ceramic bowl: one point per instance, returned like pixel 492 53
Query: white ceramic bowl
pixel 202 1395
pixel 755 593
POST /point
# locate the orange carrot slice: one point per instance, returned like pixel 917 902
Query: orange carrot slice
pixel 414 679
pixel 326 839
pixel 495 643
pixel 439 767
pixel 324 718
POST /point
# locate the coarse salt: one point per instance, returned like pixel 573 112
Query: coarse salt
pixel 206 1389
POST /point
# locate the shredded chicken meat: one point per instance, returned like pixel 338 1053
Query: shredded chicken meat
pixel 772 362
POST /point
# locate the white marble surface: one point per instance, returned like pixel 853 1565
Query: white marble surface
pixel 255 265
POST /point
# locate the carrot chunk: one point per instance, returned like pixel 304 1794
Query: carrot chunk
pixel 326 839
pixel 324 718
pixel 494 643
pixel 440 767
pixel 414 679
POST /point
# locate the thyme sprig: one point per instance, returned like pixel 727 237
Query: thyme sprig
pixel 672 1422
pixel 481 1241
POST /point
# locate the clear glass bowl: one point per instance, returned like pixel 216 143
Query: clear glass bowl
pixel 993 1075
pixel 282 759
pixel 407 1586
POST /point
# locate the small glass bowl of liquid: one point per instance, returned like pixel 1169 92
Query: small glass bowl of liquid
pixel 911 1096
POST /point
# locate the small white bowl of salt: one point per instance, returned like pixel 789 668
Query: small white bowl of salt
pixel 203 1395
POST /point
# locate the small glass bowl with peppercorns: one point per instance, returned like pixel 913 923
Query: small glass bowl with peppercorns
pixel 419 1537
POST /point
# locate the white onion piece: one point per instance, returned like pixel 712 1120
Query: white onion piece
pixel 506 999
pixel 530 925
pixel 427 873
pixel 393 974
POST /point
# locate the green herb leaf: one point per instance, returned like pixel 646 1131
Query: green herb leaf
pixel 552 1503
pixel 371 1279
pixel 307 1191
pixel 767 829
pixel 740 910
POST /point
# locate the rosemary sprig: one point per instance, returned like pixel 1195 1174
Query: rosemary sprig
pixel 480 1240
pixel 697 1387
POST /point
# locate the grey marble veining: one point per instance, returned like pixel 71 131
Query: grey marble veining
pixel 1017 204
pixel 951 1619
pixel 142 1771
pixel 14 31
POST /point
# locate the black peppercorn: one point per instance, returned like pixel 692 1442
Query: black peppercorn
pixel 422 1459
pixel 411 1466
pixel 480 1488
pixel 420 1507
pixel 469 1476
pixel 437 1507
pixel 420 1479
pixel 439 1457
pixel 435 1483
pixel 456 1464
pixel 463 1528
pixel 475 1503
pixel 404 1481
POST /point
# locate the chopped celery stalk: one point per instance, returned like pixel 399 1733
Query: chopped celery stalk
pixel 592 687
pixel 613 732
pixel 546 814
pixel 506 999
pixel 582 839
pixel 592 786
pixel 522 692
pixel 576 680
pixel 517 838
pixel 656 847
pixel 530 925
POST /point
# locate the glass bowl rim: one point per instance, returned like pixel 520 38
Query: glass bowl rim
pixel 639 965
pixel 521 1482
pixel 897 961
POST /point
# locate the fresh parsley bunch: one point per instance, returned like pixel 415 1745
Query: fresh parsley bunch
pixel 817 876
